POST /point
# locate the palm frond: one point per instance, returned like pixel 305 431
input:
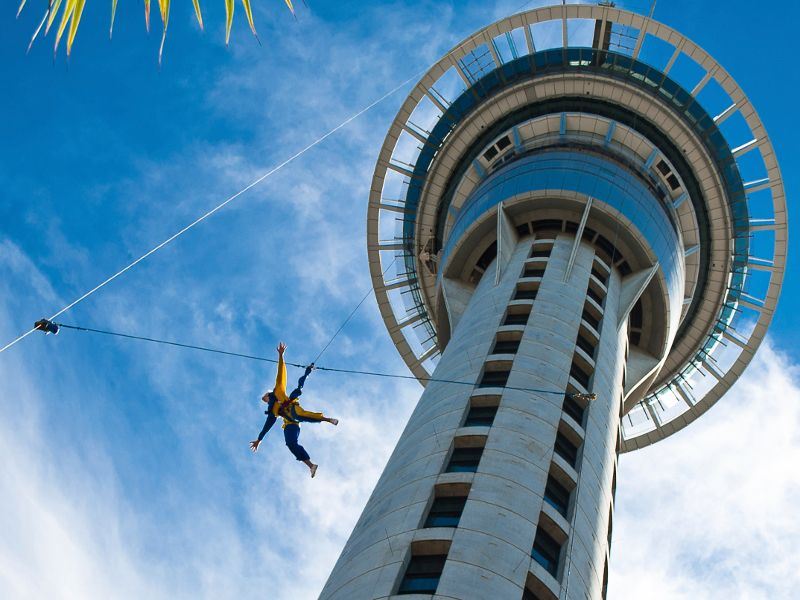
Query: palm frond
pixel 249 12
pixel 229 8
pixel 66 15
pixel 53 13
pixel 197 13
pixel 113 14
pixel 72 11
pixel 77 13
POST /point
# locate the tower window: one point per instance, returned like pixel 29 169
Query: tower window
pixel 579 375
pixel 517 318
pixel 525 294
pixel 541 251
pixel 464 460
pixel 585 345
pixel 446 511
pixel 506 347
pixel 573 409
pixel 494 379
pixel 422 574
pixel 556 495
pixel 546 551
pixel 601 277
pixel 591 320
pixel 480 416
pixel 533 272
pixel 590 291
pixel 566 449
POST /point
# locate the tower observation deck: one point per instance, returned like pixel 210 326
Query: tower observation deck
pixel 577 199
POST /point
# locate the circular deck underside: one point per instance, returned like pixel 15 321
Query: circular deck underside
pixel 505 68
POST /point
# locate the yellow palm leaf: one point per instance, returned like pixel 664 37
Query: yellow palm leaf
pixel 69 8
pixel 73 26
pixel 163 6
pixel 289 4
pixel 113 13
pixel 249 11
pixel 21 6
pixel 197 13
pixel 229 7
pixel 53 13
pixel 147 15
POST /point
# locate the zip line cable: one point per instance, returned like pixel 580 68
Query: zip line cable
pixel 221 205
pixel 350 316
pixel 232 198
pixel 272 360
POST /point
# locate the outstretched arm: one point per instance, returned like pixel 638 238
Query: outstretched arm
pixel 267 426
pixel 280 379
pixel 301 382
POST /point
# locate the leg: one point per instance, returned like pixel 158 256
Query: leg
pixel 307 416
pixel 291 434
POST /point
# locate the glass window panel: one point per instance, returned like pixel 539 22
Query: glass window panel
pixel 547 34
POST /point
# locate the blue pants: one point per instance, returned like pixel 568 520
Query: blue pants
pixel 291 433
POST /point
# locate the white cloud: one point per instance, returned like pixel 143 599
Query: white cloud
pixel 712 511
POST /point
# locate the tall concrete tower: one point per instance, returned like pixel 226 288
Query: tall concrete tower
pixel 577 199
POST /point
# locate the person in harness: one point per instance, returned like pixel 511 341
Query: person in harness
pixel 289 409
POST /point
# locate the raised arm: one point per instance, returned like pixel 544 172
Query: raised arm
pixel 280 379
pixel 301 382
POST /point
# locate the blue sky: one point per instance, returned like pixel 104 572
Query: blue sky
pixel 126 470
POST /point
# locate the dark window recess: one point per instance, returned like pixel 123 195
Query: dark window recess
pixel 556 495
pixel 464 460
pixel 546 552
pixel 594 296
pixel 591 320
pixel 523 230
pixel 494 379
pixel 601 276
pixel 673 182
pixel 490 153
pixel 480 416
pixel 605 581
pixel 533 272
pixel 529 595
pixel 506 347
pixel 663 168
pixel 547 225
pixel 516 319
pixel 566 449
pixel 588 234
pixel 636 315
pixel 606 250
pixel 488 256
pixel 635 338
pixel 503 143
pixel 523 294
pixel 571 227
pixel 539 252
pixel 446 511
pixel 422 575
pixel 610 527
pixel 573 409
pixel 579 375
pixel 624 268
pixel 585 345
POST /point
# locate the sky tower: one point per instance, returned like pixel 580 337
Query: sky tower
pixel 576 199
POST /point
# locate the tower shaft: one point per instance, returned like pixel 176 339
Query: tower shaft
pixel 536 469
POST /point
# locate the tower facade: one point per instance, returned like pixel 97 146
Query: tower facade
pixel 574 200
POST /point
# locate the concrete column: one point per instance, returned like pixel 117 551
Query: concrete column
pixel 489 553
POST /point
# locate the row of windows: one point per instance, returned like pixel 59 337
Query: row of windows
pixel 423 573
pixel 550 539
